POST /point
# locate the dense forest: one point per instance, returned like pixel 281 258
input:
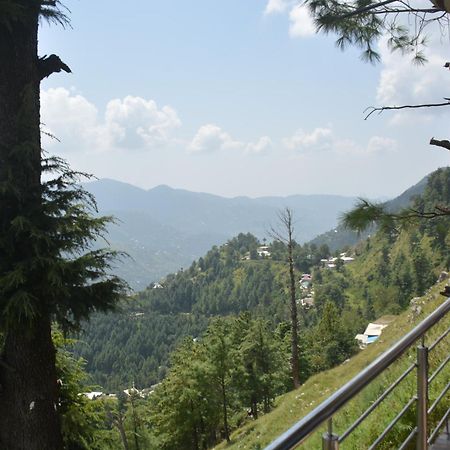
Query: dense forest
pixel 389 268
pixel 211 343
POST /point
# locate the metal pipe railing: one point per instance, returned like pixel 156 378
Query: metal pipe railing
pixel 408 440
pixel 298 432
pixel 392 423
pixel 439 426
pixel 375 404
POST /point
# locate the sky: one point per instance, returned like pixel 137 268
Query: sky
pixel 237 98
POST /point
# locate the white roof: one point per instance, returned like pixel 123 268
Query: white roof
pixel 361 338
pixel 92 395
pixel 374 329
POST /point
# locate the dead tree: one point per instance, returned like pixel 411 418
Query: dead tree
pixel 284 233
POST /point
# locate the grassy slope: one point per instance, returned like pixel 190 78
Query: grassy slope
pixel 294 405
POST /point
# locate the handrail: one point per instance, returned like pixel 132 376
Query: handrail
pixel 376 403
pixel 298 432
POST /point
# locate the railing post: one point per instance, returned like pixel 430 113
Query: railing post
pixel 330 441
pixel 422 396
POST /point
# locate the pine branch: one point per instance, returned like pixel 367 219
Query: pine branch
pixel 372 109
pixel 408 10
pixel 366 213
pixel 364 9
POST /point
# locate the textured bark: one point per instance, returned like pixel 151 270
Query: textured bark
pixel 286 236
pixel 294 318
pixel 225 409
pixel 123 435
pixel 28 419
pixel 28 390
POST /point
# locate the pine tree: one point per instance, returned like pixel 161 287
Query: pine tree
pixel 404 25
pixel 47 271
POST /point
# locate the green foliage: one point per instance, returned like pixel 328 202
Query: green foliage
pixel 22 10
pixel 361 23
pixel 389 269
pixel 430 210
pixel 293 406
pixel 365 214
pixel 236 366
pixel 330 341
pixel 55 264
pixel 83 421
pixel 134 344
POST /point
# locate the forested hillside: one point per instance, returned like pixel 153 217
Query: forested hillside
pixel 134 345
pixel 163 229
pixel 389 268
pixel 227 320
pixel 341 236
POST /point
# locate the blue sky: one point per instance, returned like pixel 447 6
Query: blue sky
pixel 235 98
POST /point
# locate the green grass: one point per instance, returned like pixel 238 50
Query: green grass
pixel 293 406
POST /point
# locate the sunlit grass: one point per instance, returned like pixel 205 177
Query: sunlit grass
pixel 293 406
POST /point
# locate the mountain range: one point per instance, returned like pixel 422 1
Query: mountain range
pixel 164 229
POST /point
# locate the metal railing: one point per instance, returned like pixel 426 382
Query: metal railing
pixel 325 411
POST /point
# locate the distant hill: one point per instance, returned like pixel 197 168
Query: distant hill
pixel 340 236
pixel 387 271
pixel 164 229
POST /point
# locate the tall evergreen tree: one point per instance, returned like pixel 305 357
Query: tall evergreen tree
pixel 46 269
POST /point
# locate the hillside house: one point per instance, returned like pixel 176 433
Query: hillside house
pixel 263 251
pixel 307 302
pixel 331 262
pixel 305 281
pixel 371 334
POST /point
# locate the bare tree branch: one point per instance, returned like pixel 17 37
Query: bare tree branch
pixel 285 234
pixel 408 10
pixel 444 143
pixel 364 9
pixel 372 109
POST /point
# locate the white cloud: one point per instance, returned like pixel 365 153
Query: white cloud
pixel 319 138
pixel 402 82
pixel 376 145
pixel 379 144
pixel 260 146
pixel 301 23
pixel 276 6
pixel 143 123
pixel 324 139
pixel 210 138
pixel 129 123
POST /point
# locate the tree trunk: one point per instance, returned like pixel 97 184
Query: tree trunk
pixel 294 319
pixel 224 407
pixel 28 390
pixel 286 236
pixel 28 419
pixel 123 435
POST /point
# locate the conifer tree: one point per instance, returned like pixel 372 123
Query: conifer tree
pixel 47 271
pixel 405 27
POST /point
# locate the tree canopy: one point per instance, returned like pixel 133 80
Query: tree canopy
pixel 48 270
